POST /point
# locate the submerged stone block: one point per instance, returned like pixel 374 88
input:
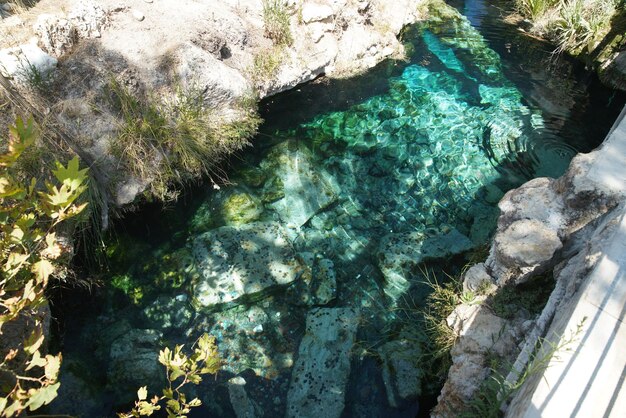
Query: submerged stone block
pixel 401 372
pixel 399 253
pixel 320 375
pixel 307 187
pixel 318 285
pixel 242 261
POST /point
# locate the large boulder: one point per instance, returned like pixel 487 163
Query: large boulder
pixel 307 187
pixel 319 377
pixel 234 262
pixel 401 372
pixel 526 247
pixel 26 64
pixel 133 362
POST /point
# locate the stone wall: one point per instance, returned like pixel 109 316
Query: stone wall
pixel 557 225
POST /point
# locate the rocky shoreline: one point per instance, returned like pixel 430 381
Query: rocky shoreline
pixel 559 225
pixel 156 49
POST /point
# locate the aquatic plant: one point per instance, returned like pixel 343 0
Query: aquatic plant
pixel 440 303
pixel 31 216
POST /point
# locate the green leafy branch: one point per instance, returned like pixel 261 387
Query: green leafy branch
pixel 181 369
pixel 29 254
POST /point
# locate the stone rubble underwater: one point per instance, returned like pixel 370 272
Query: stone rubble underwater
pixel 327 230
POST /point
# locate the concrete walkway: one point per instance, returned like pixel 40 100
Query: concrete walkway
pixel 588 379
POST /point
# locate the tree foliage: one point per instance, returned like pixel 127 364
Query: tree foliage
pixel 31 252
pixel 181 369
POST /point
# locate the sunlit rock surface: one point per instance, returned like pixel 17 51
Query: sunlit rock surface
pixel 307 189
pixel 239 261
pixel 320 374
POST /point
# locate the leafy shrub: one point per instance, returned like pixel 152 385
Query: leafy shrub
pixel 582 23
pixel 180 370
pixel 30 217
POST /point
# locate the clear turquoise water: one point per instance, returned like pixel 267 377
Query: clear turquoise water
pixel 423 148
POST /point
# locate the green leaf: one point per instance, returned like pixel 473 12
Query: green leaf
pixel 3 404
pixel 176 373
pixel 72 175
pixel 43 269
pixel 142 393
pixel 13 409
pixel 53 365
pixel 36 361
pixel 195 379
pixel 146 408
pixel 42 396
pixel 195 402
pixel 168 393
pixel 34 341
pixel 173 405
pixel 59 197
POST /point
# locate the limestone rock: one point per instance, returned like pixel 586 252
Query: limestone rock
pixel 399 253
pixel 244 406
pixel 481 334
pixel 200 70
pixel 613 71
pixel 314 12
pixel 169 312
pixel 240 208
pixel 138 16
pixel 249 339
pixel 535 199
pixel 319 377
pixel 318 283
pixel 526 246
pixel 307 188
pixel 242 261
pixel 89 18
pixel 75 387
pixel 401 372
pixel 476 277
pixel 133 361
pixel 56 35
pixel 24 62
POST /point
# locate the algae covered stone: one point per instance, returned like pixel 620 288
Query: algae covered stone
pixel 242 261
pixel 318 283
pixel 229 207
pixel 241 208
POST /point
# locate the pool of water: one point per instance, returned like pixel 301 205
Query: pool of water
pixel 350 186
